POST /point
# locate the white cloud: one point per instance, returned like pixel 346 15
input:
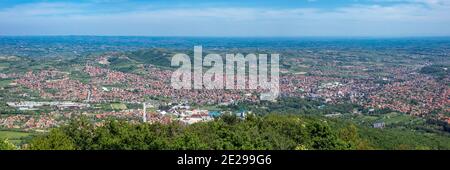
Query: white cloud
pixel 39 9
pixel 412 18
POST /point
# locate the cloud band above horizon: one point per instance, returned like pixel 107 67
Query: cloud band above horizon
pixel 228 18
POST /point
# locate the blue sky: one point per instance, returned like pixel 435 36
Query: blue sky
pixel 226 17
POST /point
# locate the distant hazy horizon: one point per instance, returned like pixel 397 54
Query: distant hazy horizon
pixel 238 37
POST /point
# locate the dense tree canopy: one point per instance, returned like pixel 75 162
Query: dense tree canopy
pixel 227 132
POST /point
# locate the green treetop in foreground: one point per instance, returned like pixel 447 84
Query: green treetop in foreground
pixel 6 145
pixel 227 132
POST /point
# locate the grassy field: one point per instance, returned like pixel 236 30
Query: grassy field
pixel 395 118
pixel 392 119
pixel 209 107
pixel 5 82
pixel 13 136
pixel 404 139
pixel 118 106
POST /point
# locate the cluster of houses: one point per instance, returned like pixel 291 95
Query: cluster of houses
pixel 184 113
pixel 29 122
